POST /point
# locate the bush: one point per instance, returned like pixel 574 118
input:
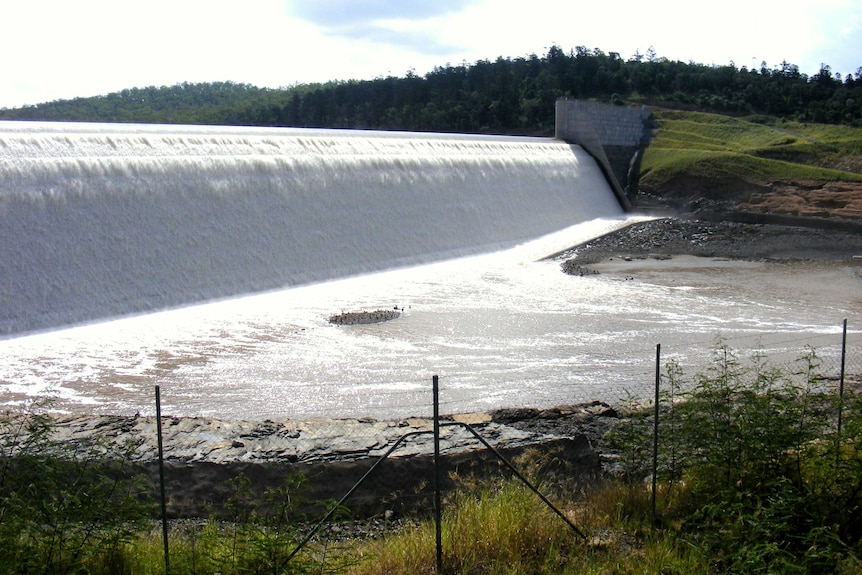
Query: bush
pixel 752 466
pixel 64 508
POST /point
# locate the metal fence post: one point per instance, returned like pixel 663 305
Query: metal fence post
pixel 162 481
pixel 438 515
pixel 655 431
pixel 841 377
pixel 841 392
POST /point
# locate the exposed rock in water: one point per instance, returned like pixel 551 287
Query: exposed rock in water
pixel 361 317
pixel 572 268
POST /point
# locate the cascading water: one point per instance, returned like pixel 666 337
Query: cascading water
pixel 106 220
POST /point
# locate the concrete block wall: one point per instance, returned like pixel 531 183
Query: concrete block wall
pixel 611 125
pixel 612 134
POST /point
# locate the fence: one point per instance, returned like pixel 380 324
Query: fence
pixel 725 390
pixel 452 434
pixel 383 469
pixel 401 444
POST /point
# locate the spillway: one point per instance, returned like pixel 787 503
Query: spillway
pixel 101 220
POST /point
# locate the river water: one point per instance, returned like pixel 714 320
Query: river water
pixel 502 329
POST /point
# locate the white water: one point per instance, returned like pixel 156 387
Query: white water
pixel 105 220
pixel 501 329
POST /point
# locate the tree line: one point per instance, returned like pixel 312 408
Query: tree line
pixel 507 96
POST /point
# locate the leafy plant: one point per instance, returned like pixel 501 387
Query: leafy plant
pixel 767 485
pixel 63 505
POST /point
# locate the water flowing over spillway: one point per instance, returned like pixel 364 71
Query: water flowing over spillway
pixel 99 221
pixel 103 220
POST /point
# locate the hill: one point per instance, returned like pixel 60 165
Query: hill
pixel 756 168
pixel 505 96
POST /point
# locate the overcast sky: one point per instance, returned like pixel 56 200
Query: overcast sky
pixel 58 49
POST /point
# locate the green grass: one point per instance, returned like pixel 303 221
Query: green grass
pixel 496 529
pixel 506 529
pixel 756 149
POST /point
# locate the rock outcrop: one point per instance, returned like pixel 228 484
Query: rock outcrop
pixel 202 456
pixel 363 317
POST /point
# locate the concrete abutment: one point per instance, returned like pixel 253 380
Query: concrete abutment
pixel 614 135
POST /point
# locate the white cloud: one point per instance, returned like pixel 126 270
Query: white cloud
pixel 56 49
pixel 347 13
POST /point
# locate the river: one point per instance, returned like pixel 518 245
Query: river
pixel 502 329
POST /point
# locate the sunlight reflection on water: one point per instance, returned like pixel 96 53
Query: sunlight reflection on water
pixel 500 329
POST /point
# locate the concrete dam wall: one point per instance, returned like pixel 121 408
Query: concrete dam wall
pixel 613 135
pixel 104 220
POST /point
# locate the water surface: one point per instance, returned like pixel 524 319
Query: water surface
pixel 502 329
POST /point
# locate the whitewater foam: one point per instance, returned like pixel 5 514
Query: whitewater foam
pixel 107 220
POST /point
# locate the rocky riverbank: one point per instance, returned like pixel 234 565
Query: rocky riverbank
pixel 202 456
pixel 668 237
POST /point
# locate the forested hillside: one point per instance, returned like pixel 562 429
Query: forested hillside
pixel 508 95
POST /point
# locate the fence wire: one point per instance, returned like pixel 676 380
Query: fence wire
pixel 210 464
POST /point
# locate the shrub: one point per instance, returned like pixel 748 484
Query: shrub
pixel 769 484
pixel 63 506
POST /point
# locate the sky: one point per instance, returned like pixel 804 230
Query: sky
pixel 61 49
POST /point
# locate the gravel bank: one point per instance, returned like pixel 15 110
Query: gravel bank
pixel 670 237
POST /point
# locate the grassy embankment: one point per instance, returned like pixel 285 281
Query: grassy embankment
pixel 756 162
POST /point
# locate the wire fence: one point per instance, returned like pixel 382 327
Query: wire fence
pixel 341 456
pixel 382 471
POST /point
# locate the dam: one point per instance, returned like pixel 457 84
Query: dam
pixel 207 261
pixel 100 221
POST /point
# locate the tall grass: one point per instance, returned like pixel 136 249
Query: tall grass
pixel 508 530
pixel 505 529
